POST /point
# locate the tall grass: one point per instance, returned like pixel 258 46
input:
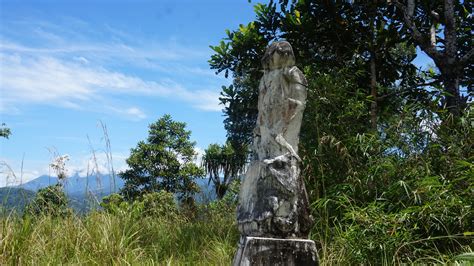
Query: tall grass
pixel 104 238
pixel 208 238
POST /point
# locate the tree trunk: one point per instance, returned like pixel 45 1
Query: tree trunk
pixel 447 60
pixel 373 71
pixel 373 92
pixel 450 72
pixel 221 189
pixel 450 80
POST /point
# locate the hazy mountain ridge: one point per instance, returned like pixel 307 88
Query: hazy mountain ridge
pixel 13 198
pixel 86 192
pixel 76 184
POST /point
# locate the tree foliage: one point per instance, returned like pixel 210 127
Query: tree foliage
pixel 223 164
pixel 5 132
pixel 163 162
pixel 155 204
pixel 50 200
pixel 385 158
pixel 443 30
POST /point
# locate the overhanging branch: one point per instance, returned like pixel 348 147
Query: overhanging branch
pixel 423 41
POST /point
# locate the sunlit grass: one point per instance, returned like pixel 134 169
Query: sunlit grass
pixel 103 238
pixel 123 238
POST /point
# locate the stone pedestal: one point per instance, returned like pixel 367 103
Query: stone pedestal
pixel 275 251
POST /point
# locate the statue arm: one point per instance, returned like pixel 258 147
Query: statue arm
pixel 298 84
pixel 296 76
pixel 262 90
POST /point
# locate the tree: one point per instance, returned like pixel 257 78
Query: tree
pixel 442 29
pixel 239 53
pixel 371 142
pixel 325 36
pixel 50 200
pixel 222 160
pixel 163 162
pixel 4 131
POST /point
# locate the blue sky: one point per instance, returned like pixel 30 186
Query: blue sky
pixel 66 65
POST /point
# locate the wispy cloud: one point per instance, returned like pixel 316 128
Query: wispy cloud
pixel 48 80
pixel 133 113
pixel 70 69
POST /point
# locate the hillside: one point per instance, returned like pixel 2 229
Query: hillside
pixel 13 198
pixel 85 193
pixel 76 184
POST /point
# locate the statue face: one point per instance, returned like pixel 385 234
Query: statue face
pixel 278 55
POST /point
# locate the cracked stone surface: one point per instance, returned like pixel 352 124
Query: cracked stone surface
pixel 276 252
pixel 273 200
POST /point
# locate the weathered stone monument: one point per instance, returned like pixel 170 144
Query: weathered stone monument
pixel 272 215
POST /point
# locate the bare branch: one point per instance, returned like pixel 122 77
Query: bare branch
pixel 463 61
pixel 423 41
pixel 431 83
pixel 433 35
pixel 435 17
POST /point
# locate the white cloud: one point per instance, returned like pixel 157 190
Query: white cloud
pixel 10 176
pixel 82 166
pixel 81 59
pixel 199 153
pixel 67 66
pixel 70 84
pixel 135 112
pixel 90 164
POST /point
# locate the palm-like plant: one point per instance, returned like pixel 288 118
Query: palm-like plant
pixel 223 161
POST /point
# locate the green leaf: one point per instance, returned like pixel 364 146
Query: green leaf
pixel 465 256
pixel 298 17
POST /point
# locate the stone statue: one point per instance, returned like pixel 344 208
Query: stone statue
pixel 273 202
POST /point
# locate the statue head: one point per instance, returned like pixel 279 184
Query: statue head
pixel 278 55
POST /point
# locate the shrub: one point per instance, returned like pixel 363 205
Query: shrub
pixel 51 201
pixel 114 203
pixel 159 204
pixel 155 204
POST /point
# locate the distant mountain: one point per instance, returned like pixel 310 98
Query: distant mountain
pixel 101 184
pixel 207 193
pixel 85 193
pixel 12 198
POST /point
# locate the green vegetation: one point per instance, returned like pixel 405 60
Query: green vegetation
pixel 163 162
pixel 222 160
pixel 49 201
pixel 5 132
pixel 14 199
pixel 386 149
pixel 133 233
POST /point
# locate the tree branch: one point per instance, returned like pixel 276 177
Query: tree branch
pixel 435 17
pixel 428 83
pixel 423 41
pixel 401 91
pixel 463 61
pixel 450 30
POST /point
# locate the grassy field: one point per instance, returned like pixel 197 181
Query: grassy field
pixel 126 237
pixel 121 238
pixel 154 230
